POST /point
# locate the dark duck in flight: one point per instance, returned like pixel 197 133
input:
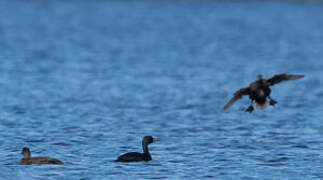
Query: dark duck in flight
pixel 259 91
pixel 135 156
pixel 27 160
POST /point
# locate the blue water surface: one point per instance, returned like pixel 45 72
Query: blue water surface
pixel 83 81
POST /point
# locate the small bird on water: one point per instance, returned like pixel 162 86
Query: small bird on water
pixel 259 91
pixel 135 156
pixel 27 160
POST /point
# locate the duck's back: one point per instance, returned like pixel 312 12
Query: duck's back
pixel 40 160
pixel 132 156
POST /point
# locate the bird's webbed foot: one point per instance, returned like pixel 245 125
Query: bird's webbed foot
pixel 272 102
pixel 250 109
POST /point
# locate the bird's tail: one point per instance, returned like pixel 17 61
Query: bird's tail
pixel 262 105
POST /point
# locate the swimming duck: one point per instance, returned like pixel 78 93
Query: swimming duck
pixel 259 91
pixel 27 160
pixel 135 156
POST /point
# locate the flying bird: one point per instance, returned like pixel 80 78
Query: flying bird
pixel 259 91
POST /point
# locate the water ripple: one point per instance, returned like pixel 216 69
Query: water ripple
pixel 84 81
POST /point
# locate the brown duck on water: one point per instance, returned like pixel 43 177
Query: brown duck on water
pixel 259 91
pixel 36 160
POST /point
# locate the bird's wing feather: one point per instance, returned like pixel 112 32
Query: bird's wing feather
pixel 282 77
pixel 45 160
pixel 131 156
pixel 236 96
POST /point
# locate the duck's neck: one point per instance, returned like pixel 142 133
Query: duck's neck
pixel 146 151
pixel 26 155
pixel 145 148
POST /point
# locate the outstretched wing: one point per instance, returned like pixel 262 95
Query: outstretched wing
pixel 236 96
pixel 282 77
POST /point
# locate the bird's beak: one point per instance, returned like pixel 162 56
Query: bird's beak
pixel 155 139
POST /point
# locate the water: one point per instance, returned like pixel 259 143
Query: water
pixel 84 81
